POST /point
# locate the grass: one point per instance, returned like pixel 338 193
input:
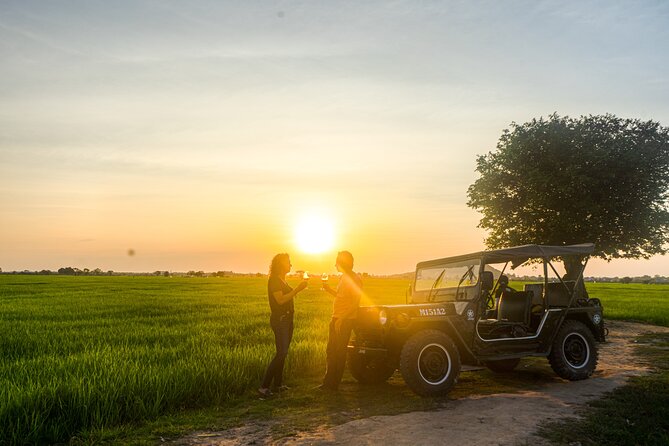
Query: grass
pixel 134 359
pixel 633 302
pixel 635 414
pixel 97 352
pixel 303 408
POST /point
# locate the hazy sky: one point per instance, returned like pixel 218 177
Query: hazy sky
pixel 198 132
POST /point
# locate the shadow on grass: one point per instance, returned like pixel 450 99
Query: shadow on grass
pixel 304 408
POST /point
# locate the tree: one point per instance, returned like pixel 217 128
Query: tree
pixel 560 180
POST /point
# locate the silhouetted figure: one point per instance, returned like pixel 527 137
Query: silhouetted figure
pixel 280 296
pixel 344 312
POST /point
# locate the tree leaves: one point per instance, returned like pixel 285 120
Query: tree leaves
pixel 560 180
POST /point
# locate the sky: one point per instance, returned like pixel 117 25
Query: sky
pixel 199 134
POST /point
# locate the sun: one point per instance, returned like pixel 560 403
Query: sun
pixel 314 234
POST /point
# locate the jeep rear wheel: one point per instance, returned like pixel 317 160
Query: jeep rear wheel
pixel 574 352
pixel 369 370
pixel 430 363
pixel 502 365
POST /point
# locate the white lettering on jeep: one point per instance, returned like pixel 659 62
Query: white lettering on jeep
pixel 432 311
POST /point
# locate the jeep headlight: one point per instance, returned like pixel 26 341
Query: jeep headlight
pixel 383 317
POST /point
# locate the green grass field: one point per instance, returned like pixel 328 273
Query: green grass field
pixel 634 302
pixel 81 353
pixel 97 351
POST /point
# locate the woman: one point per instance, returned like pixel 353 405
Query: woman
pixel 280 296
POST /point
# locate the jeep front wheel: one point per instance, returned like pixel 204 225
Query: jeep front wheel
pixel 430 363
pixel 369 370
pixel 574 352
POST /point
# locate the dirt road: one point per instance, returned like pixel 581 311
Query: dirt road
pixel 500 419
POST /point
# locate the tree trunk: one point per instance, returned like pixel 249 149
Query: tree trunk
pixel 573 267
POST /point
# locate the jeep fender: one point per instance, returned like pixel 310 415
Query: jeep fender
pixel 585 318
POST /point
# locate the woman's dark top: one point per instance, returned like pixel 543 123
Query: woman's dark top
pixel 275 284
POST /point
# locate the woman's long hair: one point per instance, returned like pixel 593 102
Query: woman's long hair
pixel 276 263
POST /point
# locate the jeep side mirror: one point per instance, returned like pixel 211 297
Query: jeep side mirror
pixel 487 280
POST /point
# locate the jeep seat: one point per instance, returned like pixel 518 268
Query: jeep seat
pixel 537 290
pixel 557 295
pixel 515 307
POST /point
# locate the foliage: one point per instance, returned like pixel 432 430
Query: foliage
pixel 560 180
pixel 70 271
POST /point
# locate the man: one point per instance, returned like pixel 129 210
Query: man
pixel 344 312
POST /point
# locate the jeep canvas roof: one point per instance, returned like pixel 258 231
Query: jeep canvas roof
pixel 517 254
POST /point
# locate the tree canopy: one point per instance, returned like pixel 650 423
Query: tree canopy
pixel 560 180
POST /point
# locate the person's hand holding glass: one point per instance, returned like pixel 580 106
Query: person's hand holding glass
pixel 305 280
pixel 324 284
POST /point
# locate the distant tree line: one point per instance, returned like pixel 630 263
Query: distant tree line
pixel 221 274
pixel 73 271
pixel 640 279
pixel 70 271
pixel 66 271
pixel 657 279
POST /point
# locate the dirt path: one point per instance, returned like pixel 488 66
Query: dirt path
pixel 502 419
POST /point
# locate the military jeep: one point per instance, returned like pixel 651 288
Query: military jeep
pixel 461 312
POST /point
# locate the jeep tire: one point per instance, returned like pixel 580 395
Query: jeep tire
pixel 573 355
pixel 502 365
pixel 369 370
pixel 430 363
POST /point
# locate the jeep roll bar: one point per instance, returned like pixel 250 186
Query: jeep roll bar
pixel 521 254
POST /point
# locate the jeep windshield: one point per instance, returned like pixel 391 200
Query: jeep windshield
pixel 442 282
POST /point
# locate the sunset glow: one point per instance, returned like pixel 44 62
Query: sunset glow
pixel 213 135
pixel 314 234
